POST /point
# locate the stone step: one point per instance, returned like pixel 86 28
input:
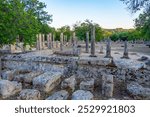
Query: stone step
pixel 47 81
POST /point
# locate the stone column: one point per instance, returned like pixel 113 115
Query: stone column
pixel 74 43
pixel 43 41
pixel 61 41
pixel 101 49
pixel 93 42
pixel 107 86
pixel 53 39
pixel 108 49
pixel 57 44
pixel 87 42
pixel 37 42
pixel 12 48
pixel 125 54
pixel 49 39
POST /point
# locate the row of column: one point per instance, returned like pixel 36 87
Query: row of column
pixel 108 46
pixel 50 41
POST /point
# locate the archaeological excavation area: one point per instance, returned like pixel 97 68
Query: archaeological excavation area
pixel 75 70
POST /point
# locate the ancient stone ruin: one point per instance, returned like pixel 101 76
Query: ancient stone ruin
pixel 63 73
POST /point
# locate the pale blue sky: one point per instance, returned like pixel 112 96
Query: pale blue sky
pixel 107 13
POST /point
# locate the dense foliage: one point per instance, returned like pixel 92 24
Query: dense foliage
pixel 23 19
pixel 142 23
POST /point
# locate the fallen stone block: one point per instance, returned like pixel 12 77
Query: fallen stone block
pixel 60 95
pixel 82 95
pixel 9 75
pixel 29 94
pixel 9 88
pixel 28 77
pixel 107 85
pixel 69 84
pixel 87 85
pixel 137 90
pixel 47 81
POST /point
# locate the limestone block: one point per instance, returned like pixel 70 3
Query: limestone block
pixel 137 90
pixel 87 85
pixel 60 95
pixel 107 85
pixel 47 81
pixel 8 88
pixel 82 95
pixel 69 84
pixel 28 77
pixel 7 75
pixel 29 94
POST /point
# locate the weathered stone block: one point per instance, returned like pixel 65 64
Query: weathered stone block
pixel 60 95
pixel 47 81
pixel 107 85
pixel 69 84
pixel 8 88
pixel 137 90
pixel 7 75
pixel 87 85
pixel 82 95
pixel 27 78
pixel 29 94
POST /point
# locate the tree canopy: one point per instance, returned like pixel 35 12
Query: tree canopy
pixel 23 19
pixel 142 23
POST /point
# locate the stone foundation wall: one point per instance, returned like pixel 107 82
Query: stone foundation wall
pixel 84 69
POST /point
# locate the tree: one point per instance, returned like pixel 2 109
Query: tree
pixel 82 28
pixel 142 23
pixel 135 5
pixel 23 18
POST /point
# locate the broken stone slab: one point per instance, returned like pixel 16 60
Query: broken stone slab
pixel 82 95
pixel 60 95
pixel 107 85
pixel 9 88
pixel 87 85
pixel 47 81
pixel 29 94
pixel 128 64
pixel 69 84
pixel 27 78
pixel 137 90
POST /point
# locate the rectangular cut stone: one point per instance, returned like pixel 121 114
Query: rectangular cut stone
pixel 107 85
pixel 87 85
pixel 47 81
pixel 95 61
